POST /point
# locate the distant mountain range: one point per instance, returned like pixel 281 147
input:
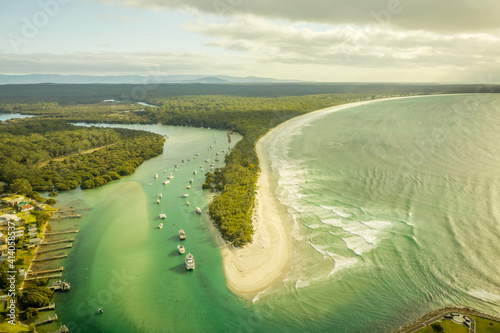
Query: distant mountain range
pixel 132 79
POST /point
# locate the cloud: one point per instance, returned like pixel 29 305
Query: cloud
pixel 121 19
pixel 348 45
pixel 431 15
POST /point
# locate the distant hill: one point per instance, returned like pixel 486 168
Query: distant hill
pixel 131 79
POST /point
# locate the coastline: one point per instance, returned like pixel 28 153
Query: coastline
pixel 255 267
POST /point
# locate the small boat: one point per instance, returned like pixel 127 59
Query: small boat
pixel 163 216
pixel 164 170
pixel 170 176
pixel 187 203
pixel 190 180
pixel 100 311
pixel 165 182
pixel 217 159
pixel 160 226
pixel 156 175
pixel 206 160
pixel 160 195
pixel 189 159
pixel 217 153
pixel 188 187
pixel 158 201
pixel 201 166
pixel 198 210
pixel 194 172
pixel 189 262
pixel 184 195
pixel 182 235
pixel 181 249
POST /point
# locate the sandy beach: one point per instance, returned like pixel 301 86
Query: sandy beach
pixel 266 260
pixel 255 267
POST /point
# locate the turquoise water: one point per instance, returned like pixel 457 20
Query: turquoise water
pixel 394 208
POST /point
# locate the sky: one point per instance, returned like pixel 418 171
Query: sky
pixel 312 40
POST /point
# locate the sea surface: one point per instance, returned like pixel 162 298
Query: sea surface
pixel 395 210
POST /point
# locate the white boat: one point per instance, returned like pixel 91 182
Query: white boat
pixel 198 210
pixel 217 159
pixel 163 216
pixel 181 249
pixel 160 226
pixel 170 176
pixel 156 175
pixel 188 187
pixel 182 235
pixel 165 182
pixel 158 201
pixel 190 180
pixel 194 172
pixel 206 160
pixel 188 203
pixel 189 261
pixel 184 195
pixel 160 195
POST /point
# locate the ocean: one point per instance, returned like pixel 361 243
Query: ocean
pixel 395 213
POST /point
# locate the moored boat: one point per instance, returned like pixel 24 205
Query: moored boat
pixel 160 226
pixel 156 175
pixel 198 210
pixel 184 195
pixel 181 249
pixel 189 262
pixel 188 187
pixel 182 235
pixel 165 182
pixel 163 216
pixel 190 180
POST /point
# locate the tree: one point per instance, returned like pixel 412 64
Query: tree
pixel 21 186
pixel 437 328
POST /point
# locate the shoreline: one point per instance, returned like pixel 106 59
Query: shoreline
pixel 255 267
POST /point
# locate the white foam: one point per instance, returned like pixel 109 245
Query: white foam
pixel 337 211
pixel 357 245
pixel 379 225
pixel 485 295
pixel 341 263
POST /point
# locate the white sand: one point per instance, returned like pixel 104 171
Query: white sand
pixel 256 266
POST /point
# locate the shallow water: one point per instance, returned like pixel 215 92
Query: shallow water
pixel 395 214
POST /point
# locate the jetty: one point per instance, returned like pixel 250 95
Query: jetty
pixel 58 249
pixel 51 258
pixel 61 232
pixel 59 241
pixel 62 329
pixel 43 277
pixel 60 269
pixel 66 217
pixel 62 286
pixel 46 321
pixel 48 307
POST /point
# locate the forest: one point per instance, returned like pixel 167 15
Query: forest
pixel 52 154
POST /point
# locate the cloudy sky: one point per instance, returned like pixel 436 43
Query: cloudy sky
pixel 313 40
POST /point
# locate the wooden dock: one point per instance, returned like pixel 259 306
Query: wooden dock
pixel 61 232
pixel 59 241
pixel 43 277
pixel 51 258
pixel 62 329
pixel 48 307
pixel 46 321
pixel 58 249
pixel 60 269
